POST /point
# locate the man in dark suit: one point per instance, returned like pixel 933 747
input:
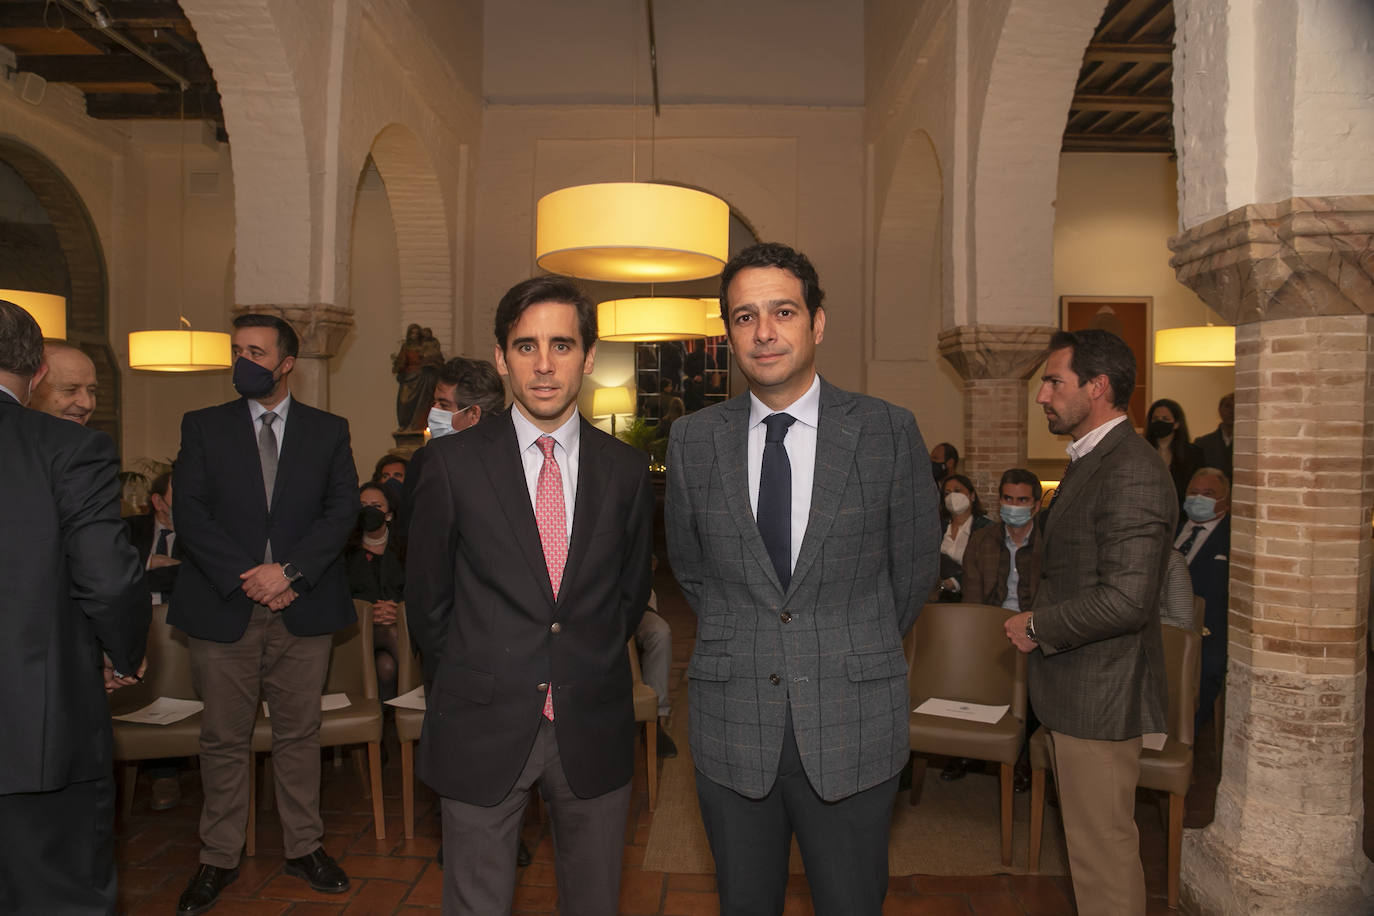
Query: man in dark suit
pixel 1096 674
pixel 527 574
pixel 1204 539
pixel 265 495
pixel 1218 447
pixel 72 591
pixel 802 527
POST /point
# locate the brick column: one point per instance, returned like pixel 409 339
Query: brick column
pixel 994 361
pixel 1287 835
pixel 322 329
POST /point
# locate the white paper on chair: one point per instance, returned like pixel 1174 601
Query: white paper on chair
pixel 163 711
pixel 328 701
pixel 1153 741
pixel 956 709
pixel 412 699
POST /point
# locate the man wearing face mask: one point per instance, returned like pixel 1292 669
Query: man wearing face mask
pixel 265 498
pixel 1204 539
pixel 468 392
pixel 944 461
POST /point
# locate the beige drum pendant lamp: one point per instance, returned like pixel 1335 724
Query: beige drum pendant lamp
pixel 48 310
pixel 715 325
pixel 182 350
pixel 1208 345
pixel 648 320
pixel 632 232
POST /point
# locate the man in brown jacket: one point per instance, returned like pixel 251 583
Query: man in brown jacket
pixel 990 575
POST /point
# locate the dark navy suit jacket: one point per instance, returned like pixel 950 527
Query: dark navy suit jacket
pixel 224 522
pixel 1211 572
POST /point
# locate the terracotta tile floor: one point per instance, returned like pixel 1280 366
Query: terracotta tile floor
pixel 158 850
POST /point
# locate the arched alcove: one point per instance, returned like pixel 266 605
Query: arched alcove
pixel 908 304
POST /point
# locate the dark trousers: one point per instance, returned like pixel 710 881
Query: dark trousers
pixel 588 841
pixel 58 850
pixel 1213 665
pixel 843 843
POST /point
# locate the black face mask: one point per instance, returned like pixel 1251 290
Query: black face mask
pixel 251 380
pixel 937 470
pixel 1160 428
pixel 371 518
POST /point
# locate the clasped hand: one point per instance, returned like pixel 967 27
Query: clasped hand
pixel 267 585
pixel 113 683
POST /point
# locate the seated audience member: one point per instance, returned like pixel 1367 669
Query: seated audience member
pixel 944 461
pixel 377 574
pixel 159 553
pixel 1176 597
pixel 1002 568
pixel 1167 431
pixel 1204 539
pixel 1218 447
pixel 654 638
pixel 961 514
pixel 67 391
pixel 390 467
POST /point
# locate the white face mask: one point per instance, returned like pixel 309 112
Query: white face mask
pixel 957 503
pixel 440 423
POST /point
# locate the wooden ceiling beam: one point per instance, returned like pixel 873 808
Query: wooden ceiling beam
pixel 1160 104
pixel 118 106
pixel 111 68
pixel 1123 52
pixel 1118 143
pixel 37 14
pixel 1159 18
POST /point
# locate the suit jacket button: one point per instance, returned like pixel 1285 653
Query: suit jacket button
pixel 556 628
pixel 785 617
pixel 774 680
pixel 542 688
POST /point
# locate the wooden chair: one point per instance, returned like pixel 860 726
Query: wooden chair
pixel 646 711
pixel 1169 769
pixel 409 722
pixel 961 652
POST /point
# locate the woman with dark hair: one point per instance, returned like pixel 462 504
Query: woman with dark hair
pixel 377 573
pixel 961 514
pixel 1167 431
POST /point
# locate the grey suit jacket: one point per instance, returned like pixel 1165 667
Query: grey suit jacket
pixel 831 645
pixel 1100 669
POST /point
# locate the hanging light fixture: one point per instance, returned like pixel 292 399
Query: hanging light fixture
pixel 180 349
pixel 633 232
pixel 715 325
pixel 1207 345
pixel 48 310
pixel 647 320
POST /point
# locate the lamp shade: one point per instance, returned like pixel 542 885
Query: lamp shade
pixel 648 320
pixel 1196 346
pixel 179 351
pixel 608 401
pixel 48 310
pixel 632 232
pixel 715 325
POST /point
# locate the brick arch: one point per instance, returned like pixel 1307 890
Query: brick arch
pixel 908 265
pixel 250 45
pixel 88 318
pixel 1038 53
pixel 422 232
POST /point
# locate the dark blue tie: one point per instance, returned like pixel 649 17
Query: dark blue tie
pixel 1189 541
pixel 161 548
pixel 775 496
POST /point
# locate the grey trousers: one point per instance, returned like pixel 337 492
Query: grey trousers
pixel 588 838
pixel 655 640
pixel 288 672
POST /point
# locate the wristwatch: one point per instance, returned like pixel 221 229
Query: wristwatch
pixel 1030 628
pixel 290 571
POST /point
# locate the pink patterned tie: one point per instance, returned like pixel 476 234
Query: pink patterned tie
pixel 550 513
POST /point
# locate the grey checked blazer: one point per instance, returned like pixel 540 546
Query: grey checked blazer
pixel 1100 669
pixel 831 646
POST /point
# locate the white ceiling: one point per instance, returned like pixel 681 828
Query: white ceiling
pixel 746 52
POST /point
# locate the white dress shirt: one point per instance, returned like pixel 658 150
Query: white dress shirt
pixel 1207 529
pixel 1080 447
pixel 566 450
pixel 256 410
pixel 800 443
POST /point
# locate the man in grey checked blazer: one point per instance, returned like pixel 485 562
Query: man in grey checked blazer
pixel 1097 681
pixel 798 688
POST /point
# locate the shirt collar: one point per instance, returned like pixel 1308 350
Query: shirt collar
pixel 256 410
pixel 805 409
pixel 526 432
pixel 1080 447
pixel 10 393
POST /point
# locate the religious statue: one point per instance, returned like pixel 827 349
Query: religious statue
pixel 416 367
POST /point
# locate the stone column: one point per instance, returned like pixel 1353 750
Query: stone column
pixel 1298 278
pixel 322 329
pixel 994 361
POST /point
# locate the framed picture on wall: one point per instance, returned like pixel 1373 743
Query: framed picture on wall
pixel 1128 317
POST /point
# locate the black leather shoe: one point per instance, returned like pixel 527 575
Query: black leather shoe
pixel 955 769
pixel 666 747
pixel 200 895
pixel 320 870
pixel 522 856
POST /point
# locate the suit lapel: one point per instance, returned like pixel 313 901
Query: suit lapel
pixel 506 471
pixel 243 438
pixel 1084 468
pixel 296 434
pixel 591 482
pixel 837 439
pixel 732 458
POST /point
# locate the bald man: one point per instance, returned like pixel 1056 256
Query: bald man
pixel 68 390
